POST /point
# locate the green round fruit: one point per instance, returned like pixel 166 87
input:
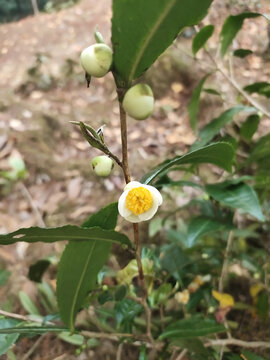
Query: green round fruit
pixel 139 101
pixel 102 165
pixel 96 60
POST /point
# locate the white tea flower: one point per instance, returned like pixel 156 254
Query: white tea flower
pixel 139 202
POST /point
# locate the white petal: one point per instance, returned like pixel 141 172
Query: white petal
pixel 123 211
pixel 132 185
pixel 155 193
pixel 133 218
pixel 149 214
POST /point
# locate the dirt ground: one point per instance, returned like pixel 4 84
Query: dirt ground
pixel 42 88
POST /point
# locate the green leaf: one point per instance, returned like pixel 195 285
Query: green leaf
pixel 142 30
pixel 193 345
pixel 261 88
pixel 192 327
pixel 67 232
pixel 202 225
pixel 37 270
pixel 230 28
pixel 242 53
pixel 6 339
pixel 201 38
pixel 237 195
pixel 28 304
pixel 220 154
pixel 174 260
pixel 262 305
pixel 4 275
pixel 250 126
pixel 213 128
pixel 193 106
pixel 31 330
pixel 212 91
pixel 80 263
pixel 250 356
pixel 74 339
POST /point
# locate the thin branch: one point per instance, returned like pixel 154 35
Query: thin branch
pixel 240 343
pixel 232 81
pixel 181 355
pixel 24 317
pixel 36 211
pixel 225 261
pixel 119 351
pixel 34 347
pixel 123 123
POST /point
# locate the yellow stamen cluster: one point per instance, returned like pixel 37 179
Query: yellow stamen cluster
pixel 139 200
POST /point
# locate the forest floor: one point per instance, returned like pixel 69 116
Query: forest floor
pixel 42 89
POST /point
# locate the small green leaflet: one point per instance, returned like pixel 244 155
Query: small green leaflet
pixel 220 154
pixel 261 88
pixel 193 106
pixel 230 28
pixel 242 53
pixel 250 126
pixel 201 38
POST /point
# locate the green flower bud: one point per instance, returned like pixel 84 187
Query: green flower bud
pixel 139 101
pixel 96 60
pixel 102 165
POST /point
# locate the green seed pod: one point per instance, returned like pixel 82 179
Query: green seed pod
pixel 102 165
pixel 96 60
pixel 139 101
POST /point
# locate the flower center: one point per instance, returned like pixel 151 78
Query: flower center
pixel 139 200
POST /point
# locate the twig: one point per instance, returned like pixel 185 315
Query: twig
pixel 119 351
pixel 236 342
pixel 28 196
pixel 123 123
pixel 34 347
pixel 24 318
pixel 225 262
pixel 181 355
pixel 232 81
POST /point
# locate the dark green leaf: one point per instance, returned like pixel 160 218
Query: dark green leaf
pixel 142 30
pixel 237 195
pixel 261 88
pixel 28 304
pixel 202 225
pixel 193 345
pixel 212 91
pixel 126 310
pixel 4 275
pixel 230 28
pixel 174 260
pixel 67 232
pixel 220 154
pixel 37 270
pixel 80 263
pixel 193 106
pixel 242 53
pixel 105 297
pixel 7 339
pixel 250 356
pixel 250 126
pixel 213 128
pixel 192 327
pixel 120 293
pixel 201 38
pixel 262 305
